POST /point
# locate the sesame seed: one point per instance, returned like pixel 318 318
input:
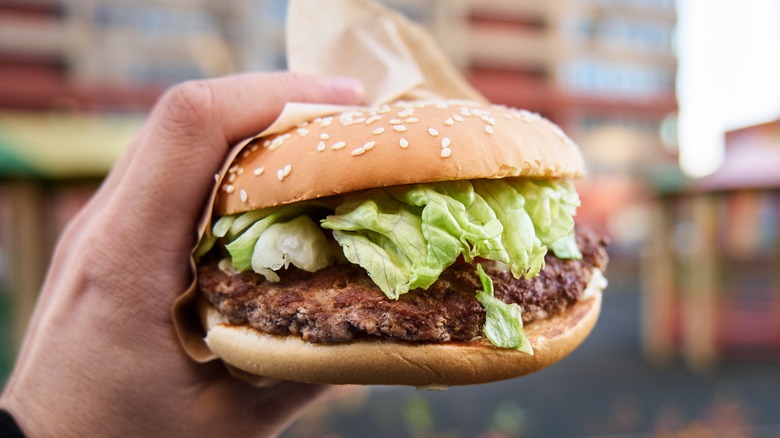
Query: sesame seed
pixel 259 171
pixel 404 143
pixel 445 142
pixel 287 169
pixel 302 131
pixel 233 169
pixel 399 128
pixel 358 151
pixel 487 119
pixel 433 132
pixel 278 141
pixel 339 145
pixel 528 116
pixel 489 129
pixel 266 143
pixel 240 171
pixel 243 195
pixel 449 122
pixel 458 117
pixel 232 177
pixel 324 136
pixel 359 120
pixel 280 174
pixel 229 188
pixel 441 105
pixel 326 121
pixel 373 119
pixel 255 147
pixel 370 145
pixel 216 177
pixel 395 121
pixel 411 120
pixel 446 152
pixel 321 146
pixel 379 130
pixel 384 109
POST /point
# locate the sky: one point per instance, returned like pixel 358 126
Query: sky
pixel 729 74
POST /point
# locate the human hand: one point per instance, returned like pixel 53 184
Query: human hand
pixel 101 356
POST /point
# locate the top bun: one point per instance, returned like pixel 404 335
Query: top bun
pixel 396 144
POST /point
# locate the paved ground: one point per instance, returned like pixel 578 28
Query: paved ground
pixel 604 389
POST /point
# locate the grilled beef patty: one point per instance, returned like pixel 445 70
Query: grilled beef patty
pixel 340 302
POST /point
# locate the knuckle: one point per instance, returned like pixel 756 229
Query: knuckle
pixel 190 103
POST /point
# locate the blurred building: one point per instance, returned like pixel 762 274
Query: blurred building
pixel 604 70
pixel 711 284
pixel 76 77
pixel 120 54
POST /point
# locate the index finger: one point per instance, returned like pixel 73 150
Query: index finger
pixel 237 106
pixel 166 176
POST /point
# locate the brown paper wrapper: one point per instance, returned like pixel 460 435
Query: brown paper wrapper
pixel 393 57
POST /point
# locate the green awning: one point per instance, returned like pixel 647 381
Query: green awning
pixel 63 145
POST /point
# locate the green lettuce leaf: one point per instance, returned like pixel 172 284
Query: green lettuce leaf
pixel 405 237
pixel 526 251
pixel 299 242
pixel 383 261
pixel 234 227
pixel 551 205
pixel 454 214
pixel 566 247
pixel 243 247
pixel 223 225
pixel 503 322
pixel 219 229
pixel 385 237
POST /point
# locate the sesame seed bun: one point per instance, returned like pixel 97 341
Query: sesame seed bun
pixel 402 143
pixel 398 144
pixel 385 362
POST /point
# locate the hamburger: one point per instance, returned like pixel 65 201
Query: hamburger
pixel 426 243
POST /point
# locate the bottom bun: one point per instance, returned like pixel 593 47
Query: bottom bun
pixel 385 362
